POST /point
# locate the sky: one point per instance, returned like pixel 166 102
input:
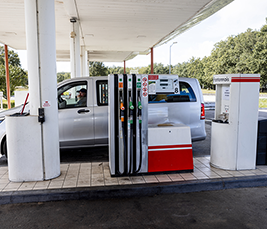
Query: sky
pixel 198 41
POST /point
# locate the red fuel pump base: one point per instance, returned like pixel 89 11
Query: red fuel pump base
pixel 164 158
pixel 169 148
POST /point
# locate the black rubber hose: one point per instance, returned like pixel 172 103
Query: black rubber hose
pixel 118 171
pixel 125 151
pixel 131 148
pixel 140 144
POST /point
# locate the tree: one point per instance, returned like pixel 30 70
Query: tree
pixel 180 69
pixel 145 70
pixel 245 53
pixel 62 76
pixel 116 70
pixel 13 58
pixel 160 69
pixel 258 61
pixel 97 69
pixel 17 75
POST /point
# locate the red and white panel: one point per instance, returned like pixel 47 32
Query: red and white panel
pixel 169 148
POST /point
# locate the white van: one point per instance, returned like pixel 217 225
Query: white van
pixel 86 125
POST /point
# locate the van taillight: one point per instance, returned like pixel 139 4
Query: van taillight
pixel 202 115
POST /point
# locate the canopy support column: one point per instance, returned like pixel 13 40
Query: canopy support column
pixel 7 79
pixel 75 47
pixel 152 61
pixel 33 149
pixel 84 62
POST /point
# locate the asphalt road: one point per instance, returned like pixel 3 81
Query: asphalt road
pixel 236 208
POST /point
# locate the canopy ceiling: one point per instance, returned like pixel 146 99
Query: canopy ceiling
pixel 111 30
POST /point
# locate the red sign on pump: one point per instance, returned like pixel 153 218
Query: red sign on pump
pixel 153 77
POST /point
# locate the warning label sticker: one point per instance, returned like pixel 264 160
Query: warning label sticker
pixel 144 87
pixel 46 103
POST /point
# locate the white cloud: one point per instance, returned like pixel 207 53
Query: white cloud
pixel 235 18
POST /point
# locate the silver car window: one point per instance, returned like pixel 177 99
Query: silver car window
pixel 102 92
pixel 69 95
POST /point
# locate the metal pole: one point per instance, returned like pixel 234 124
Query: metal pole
pixel 152 65
pixel 75 49
pixel 7 79
pixel 124 67
pixel 170 56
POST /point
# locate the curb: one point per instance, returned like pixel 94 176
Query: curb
pixel 127 191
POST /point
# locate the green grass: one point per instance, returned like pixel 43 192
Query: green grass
pixel 263 103
pixel 206 91
pixel 5 103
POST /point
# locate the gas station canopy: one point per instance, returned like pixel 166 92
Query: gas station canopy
pixel 111 30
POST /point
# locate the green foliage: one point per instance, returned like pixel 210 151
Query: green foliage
pixel 5 106
pixel 116 70
pixel 62 76
pixel 144 70
pixel 97 69
pixel 13 58
pixel 17 76
pixel 245 53
pixel 160 69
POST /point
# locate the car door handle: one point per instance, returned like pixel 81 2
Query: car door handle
pixel 83 111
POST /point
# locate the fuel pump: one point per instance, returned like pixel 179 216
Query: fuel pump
pixel 127 123
pixel 134 146
pixel 234 128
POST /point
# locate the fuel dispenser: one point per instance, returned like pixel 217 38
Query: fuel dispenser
pixel 130 136
pixel 234 128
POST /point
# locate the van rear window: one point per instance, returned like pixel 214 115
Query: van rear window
pixel 102 92
pixel 186 95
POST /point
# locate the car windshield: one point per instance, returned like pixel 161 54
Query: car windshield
pixel 186 95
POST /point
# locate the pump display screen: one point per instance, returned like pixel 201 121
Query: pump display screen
pixel 163 84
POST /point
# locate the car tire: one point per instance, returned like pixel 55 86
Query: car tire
pixel 4 150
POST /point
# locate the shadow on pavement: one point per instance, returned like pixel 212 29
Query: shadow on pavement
pixel 202 148
pixel 93 154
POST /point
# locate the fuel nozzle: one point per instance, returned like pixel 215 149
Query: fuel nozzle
pixel 122 108
pixel 139 110
pixel 131 107
pixel 139 105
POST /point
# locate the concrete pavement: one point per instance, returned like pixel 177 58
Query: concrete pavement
pixel 91 180
pixel 85 181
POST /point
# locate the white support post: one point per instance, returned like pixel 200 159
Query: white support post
pixel 75 51
pixel 39 142
pixel 84 62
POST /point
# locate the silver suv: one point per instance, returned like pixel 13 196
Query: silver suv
pixel 86 124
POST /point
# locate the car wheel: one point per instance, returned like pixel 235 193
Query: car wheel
pixel 4 148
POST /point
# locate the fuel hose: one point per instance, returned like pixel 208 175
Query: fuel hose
pixel 140 134
pixel 131 108
pixel 123 136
